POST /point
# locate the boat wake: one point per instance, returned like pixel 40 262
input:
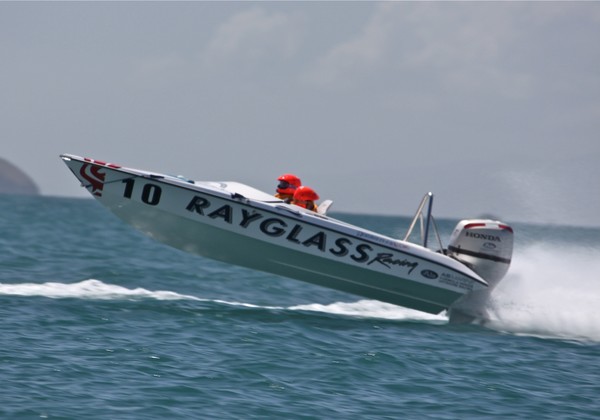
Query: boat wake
pixel 547 293
pixel 550 293
pixel 372 309
pixel 97 290
pixel 87 289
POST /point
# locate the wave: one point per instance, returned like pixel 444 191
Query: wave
pixel 88 289
pixel 93 289
pixel 548 292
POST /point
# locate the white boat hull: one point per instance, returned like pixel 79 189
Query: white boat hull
pixel 237 224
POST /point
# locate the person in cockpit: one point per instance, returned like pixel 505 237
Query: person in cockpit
pixel 305 197
pixel 288 183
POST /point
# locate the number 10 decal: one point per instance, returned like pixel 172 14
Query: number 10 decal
pixel 150 193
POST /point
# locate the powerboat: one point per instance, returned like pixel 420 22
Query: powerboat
pixel 241 225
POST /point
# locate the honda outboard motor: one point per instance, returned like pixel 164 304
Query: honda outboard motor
pixel 485 246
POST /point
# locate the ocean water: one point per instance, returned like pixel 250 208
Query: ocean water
pixel 100 322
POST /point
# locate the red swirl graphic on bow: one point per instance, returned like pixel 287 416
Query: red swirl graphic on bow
pixel 92 174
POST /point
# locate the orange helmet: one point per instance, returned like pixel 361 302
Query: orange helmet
pixel 305 193
pixel 288 184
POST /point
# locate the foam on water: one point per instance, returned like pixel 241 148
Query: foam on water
pixel 372 309
pixel 93 289
pixel 88 289
pixel 550 290
pixel 97 290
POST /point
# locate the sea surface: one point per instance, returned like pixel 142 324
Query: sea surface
pixel 101 322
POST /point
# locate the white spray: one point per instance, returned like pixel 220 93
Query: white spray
pixel 550 290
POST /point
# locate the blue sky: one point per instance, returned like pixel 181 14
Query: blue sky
pixel 493 106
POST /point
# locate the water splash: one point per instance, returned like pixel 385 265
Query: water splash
pixel 551 291
pixel 372 309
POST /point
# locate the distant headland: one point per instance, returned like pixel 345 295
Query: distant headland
pixel 14 181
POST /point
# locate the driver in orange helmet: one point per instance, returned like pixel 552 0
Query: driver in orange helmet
pixel 305 197
pixel 288 183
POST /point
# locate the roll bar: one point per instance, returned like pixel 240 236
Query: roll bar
pixel 426 221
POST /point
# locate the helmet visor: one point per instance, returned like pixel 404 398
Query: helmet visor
pixel 285 185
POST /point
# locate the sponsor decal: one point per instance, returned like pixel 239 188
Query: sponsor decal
pixel 456 281
pixel 94 175
pixel 295 233
pixel 275 227
pixel 489 245
pixel 429 274
pixel 386 259
pixel 484 236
